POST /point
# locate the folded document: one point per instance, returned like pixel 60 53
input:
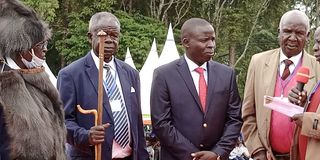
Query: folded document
pixel 282 105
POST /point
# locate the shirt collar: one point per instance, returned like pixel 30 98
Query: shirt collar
pixel 12 64
pixel 192 66
pixel 96 61
pixel 295 59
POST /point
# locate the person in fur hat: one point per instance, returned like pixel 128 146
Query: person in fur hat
pixel 31 113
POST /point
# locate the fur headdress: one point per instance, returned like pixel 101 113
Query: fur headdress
pixel 20 28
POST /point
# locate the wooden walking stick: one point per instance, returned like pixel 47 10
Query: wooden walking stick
pixel 98 114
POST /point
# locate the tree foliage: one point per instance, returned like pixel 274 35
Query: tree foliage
pixel 45 8
pixel 137 33
pixel 243 28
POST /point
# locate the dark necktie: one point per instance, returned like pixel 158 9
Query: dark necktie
pixel 121 127
pixel 286 71
pixel 202 88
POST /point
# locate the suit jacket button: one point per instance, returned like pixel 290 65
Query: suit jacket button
pixel 205 125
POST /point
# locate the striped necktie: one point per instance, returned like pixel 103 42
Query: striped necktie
pixel 120 117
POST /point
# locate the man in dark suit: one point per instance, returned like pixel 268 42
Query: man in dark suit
pixel 121 136
pixel 195 104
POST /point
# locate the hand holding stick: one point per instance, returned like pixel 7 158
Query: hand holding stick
pixel 98 113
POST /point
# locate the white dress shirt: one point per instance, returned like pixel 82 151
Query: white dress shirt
pixel 195 75
pixel 117 150
pixel 295 59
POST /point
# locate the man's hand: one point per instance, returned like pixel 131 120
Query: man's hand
pixel 261 155
pixel 297 97
pixel 96 134
pixel 204 155
pixel 298 118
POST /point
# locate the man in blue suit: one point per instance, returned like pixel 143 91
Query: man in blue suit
pixel 78 85
pixel 195 104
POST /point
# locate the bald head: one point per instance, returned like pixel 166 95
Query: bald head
pixel 101 19
pixel 296 16
pixel 198 39
pixel 191 25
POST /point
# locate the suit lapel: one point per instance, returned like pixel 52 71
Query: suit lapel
pixel 270 71
pixel 211 81
pixel 184 72
pixel 307 62
pixel 92 73
pixel 125 86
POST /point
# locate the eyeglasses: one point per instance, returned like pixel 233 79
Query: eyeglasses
pixel 42 45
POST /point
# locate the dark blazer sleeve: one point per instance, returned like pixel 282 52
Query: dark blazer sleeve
pixel 3 136
pixel 169 136
pixel 233 123
pixel 76 135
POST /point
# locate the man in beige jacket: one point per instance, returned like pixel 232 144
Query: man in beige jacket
pixel 269 134
pixel 308 130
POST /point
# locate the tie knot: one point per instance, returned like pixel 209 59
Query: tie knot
pixel 199 70
pixel 107 66
pixel 287 62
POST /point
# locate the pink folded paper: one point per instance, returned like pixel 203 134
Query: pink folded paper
pixel 282 105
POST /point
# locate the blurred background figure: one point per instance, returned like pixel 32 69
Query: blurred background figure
pixel 240 152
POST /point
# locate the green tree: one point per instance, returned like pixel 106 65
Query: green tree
pixel 45 8
pixel 137 33
pixel 243 28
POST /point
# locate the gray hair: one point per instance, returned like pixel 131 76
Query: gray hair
pixel 14 8
pixel 20 28
pixel 13 37
pixel 100 18
pixel 296 13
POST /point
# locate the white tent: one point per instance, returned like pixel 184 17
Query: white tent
pixel 129 59
pixel 146 75
pixel 169 51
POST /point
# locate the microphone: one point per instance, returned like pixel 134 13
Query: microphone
pixel 302 77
